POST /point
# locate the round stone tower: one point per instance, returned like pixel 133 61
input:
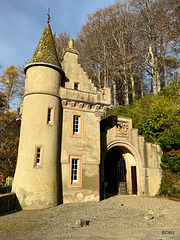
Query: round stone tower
pixel 36 177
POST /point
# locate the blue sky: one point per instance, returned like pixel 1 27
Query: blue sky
pixel 22 23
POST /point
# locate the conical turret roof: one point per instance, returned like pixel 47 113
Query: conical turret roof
pixel 45 53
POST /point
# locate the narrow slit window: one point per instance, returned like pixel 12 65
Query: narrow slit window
pixel 76 122
pixel 74 171
pixel 50 116
pixel 38 156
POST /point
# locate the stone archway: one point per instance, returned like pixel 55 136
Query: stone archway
pixel 133 169
pixel 114 173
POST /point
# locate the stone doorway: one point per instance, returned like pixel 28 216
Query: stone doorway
pixel 134 179
pixel 114 173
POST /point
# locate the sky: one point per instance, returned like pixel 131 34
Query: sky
pixel 22 23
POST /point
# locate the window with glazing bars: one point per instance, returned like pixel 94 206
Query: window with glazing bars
pixel 74 170
pixel 76 122
pixel 49 115
pixel 38 156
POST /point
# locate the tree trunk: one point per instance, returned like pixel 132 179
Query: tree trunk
pixel 142 85
pixel 114 93
pixel 132 83
pixel 126 98
pixel 153 83
pixel 157 75
pixel 163 60
pixel 165 76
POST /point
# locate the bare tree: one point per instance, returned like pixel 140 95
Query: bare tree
pixel 126 46
pixel 61 42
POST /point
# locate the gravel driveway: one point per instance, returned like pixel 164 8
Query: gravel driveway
pixel 119 217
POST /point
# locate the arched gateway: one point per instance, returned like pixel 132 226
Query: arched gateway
pixel 121 170
pixel 129 165
pixel 63 154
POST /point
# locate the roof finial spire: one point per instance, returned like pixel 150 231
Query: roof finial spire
pixel 48 14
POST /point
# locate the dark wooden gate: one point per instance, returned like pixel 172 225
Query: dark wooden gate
pixel 134 180
pixel 114 174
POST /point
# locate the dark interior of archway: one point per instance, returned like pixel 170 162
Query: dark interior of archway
pixel 114 173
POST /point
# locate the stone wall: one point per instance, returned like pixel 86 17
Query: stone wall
pixel 7 202
pixel 86 147
pixel 117 132
pixel 87 103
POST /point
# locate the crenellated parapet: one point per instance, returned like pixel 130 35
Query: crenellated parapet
pixel 98 109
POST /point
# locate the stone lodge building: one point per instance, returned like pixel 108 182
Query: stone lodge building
pixel 66 152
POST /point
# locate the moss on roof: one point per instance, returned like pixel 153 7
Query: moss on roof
pixel 45 52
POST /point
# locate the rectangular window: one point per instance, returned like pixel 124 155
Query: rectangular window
pixel 50 116
pixel 76 124
pixel 38 156
pixel 74 170
pixel 76 86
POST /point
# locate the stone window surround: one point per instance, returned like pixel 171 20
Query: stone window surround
pixel 76 124
pixel 80 159
pixel 75 170
pixel 41 156
pixel 80 134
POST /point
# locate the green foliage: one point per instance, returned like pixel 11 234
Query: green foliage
pixel 170 138
pixel 171 162
pixel 5 188
pixel 156 116
pixel 170 143
pixel 158 119
pixel 170 184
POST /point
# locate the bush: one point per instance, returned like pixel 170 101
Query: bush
pixel 170 143
pixel 170 139
pixel 5 188
pixel 158 120
pixel 170 184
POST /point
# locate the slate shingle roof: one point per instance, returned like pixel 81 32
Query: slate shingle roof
pixel 45 53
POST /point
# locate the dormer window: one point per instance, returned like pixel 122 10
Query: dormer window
pixel 76 86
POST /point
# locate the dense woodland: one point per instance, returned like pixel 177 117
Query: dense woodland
pixel 133 48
